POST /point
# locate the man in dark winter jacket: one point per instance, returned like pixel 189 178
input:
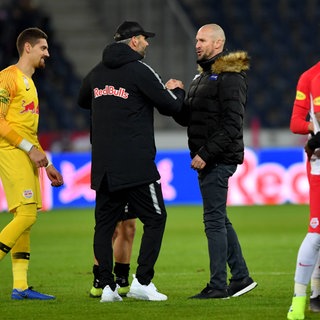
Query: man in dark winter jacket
pixel 214 111
pixel 122 92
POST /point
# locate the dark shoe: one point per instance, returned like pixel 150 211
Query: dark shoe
pixel 239 287
pixel 315 304
pixel 211 293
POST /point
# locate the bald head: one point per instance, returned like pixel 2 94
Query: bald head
pixel 210 41
pixel 214 31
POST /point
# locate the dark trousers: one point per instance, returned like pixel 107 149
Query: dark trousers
pixel 223 245
pixel 147 203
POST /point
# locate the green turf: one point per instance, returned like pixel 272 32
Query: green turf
pixel 61 263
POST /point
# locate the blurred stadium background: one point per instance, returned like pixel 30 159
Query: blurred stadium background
pixel 281 37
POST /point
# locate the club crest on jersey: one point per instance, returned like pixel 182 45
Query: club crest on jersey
pixel 110 91
pixel 28 194
pixel 26 82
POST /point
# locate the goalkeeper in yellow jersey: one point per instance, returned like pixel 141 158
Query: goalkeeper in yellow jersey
pixel 22 156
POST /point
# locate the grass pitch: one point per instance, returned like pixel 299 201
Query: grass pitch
pixel 61 264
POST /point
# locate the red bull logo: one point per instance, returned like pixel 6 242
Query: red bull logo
pixel 110 91
pixel 29 107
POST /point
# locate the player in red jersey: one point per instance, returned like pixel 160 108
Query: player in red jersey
pixel 305 120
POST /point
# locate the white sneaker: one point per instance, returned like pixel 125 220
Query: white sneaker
pixel 109 296
pixel 145 292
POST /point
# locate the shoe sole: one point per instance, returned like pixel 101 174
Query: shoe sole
pixel 315 310
pixel 113 300
pixel 245 290
pixel 208 298
pixel 28 298
pixel 143 297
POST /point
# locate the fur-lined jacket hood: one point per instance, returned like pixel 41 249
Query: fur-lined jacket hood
pixel 236 61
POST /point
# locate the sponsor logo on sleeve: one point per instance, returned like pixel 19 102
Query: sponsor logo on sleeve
pixel 316 101
pixel 300 95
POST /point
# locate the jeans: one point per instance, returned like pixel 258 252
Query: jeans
pixel 223 243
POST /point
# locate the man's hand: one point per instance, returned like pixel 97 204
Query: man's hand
pixel 54 176
pixel 197 163
pixel 173 83
pixel 38 157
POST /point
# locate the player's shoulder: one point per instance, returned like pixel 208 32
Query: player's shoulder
pixel 9 72
pixel 312 72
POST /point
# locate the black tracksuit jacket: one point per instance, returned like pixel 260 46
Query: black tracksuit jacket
pixel 122 92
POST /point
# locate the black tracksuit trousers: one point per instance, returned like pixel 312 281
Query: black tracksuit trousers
pixel 146 202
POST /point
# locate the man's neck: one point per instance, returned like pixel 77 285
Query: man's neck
pixel 25 68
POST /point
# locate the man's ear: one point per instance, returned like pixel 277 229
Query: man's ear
pixel 27 47
pixel 134 41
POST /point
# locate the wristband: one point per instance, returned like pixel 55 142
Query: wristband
pixel 25 145
pixel 49 164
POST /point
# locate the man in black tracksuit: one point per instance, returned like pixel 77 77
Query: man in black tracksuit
pixel 214 111
pixel 121 92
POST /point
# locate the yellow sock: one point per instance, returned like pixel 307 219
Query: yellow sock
pixel 20 255
pixel 20 270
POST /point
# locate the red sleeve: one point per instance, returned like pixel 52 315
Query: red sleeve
pixel 315 92
pixel 299 123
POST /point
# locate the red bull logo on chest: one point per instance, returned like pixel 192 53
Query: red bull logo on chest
pixel 29 107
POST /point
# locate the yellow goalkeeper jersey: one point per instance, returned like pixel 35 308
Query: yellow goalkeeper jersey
pixel 19 108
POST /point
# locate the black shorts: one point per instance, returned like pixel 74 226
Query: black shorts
pixel 128 213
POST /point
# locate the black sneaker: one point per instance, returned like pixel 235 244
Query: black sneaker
pixel 237 288
pixel 211 293
pixel 315 304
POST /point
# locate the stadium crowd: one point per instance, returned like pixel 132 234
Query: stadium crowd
pixel 57 85
pixel 278 35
